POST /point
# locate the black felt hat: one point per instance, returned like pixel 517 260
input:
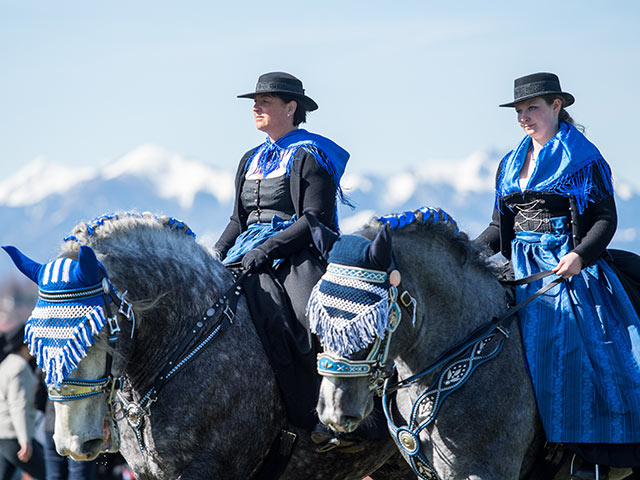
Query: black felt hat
pixel 535 85
pixel 281 82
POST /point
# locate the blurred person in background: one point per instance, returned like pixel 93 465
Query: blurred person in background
pixel 18 384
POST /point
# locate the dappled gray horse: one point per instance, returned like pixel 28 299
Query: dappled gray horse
pixel 203 408
pixel 484 429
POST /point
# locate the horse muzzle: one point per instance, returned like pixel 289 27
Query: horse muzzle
pixel 87 447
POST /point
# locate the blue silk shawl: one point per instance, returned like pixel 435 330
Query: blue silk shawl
pixel 568 165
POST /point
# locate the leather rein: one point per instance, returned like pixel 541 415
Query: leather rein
pixel 456 366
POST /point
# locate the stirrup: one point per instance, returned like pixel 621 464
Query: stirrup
pixel 343 446
pixel 596 473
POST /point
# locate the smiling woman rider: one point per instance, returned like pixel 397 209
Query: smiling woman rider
pixel 293 173
pixel 555 210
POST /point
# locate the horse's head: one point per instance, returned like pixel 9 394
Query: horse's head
pixel 76 309
pixel 353 310
pixel 85 427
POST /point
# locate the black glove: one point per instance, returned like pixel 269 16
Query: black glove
pixel 254 259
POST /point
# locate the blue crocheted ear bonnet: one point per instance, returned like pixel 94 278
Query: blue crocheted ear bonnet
pixel 349 307
pixel 69 313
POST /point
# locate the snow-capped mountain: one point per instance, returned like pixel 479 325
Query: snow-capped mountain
pixel 42 202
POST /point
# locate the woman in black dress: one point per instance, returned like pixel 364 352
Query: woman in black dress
pixel 293 173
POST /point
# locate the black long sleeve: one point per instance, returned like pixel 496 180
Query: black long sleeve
pixel 602 221
pixel 491 235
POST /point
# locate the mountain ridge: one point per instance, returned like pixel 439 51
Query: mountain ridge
pixel 42 202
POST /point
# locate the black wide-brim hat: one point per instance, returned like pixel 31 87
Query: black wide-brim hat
pixel 281 82
pixel 536 85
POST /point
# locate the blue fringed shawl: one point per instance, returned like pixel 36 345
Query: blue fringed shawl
pixel 329 155
pixel 568 165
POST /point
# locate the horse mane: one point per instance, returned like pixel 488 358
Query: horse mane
pixel 434 222
pixel 152 257
pixel 114 224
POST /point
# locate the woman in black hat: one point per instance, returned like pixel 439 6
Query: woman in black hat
pixel 278 183
pixel 555 210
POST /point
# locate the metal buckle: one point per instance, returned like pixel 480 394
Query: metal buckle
pixel 287 439
pixel 126 308
pixel 329 445
pixel 113 325
pixel 228 312
pixel 504 330
pixel 403 299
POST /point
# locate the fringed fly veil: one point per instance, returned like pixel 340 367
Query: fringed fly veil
pixel 66 320
pixel 349 308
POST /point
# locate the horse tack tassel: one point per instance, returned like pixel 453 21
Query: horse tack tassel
pixel 348 308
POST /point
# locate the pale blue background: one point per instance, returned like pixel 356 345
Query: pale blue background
pixel 398 82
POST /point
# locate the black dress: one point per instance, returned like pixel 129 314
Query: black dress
pixel 277 297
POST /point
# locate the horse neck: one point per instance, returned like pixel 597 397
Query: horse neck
pixel 168 300
pixel 453 299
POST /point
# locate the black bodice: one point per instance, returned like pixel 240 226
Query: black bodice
pixel 534 211
pixel 264 198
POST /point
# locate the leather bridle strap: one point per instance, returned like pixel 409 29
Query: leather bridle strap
pixel 227 304
pixel 500 323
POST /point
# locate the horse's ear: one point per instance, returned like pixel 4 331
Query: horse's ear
pixel 88 267
pixel 323 237
pixel 29 267
pixel 380 249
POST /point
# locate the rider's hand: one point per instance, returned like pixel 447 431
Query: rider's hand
pixel 569 265
pixel 24 454
pixel 254 259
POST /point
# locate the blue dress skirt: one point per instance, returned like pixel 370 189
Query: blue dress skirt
pixel 582 346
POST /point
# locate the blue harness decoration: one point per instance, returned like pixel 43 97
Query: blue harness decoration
pixel 351 307
pixel 452 369
pixel 348 308
pixel 456 369
pixel 71 311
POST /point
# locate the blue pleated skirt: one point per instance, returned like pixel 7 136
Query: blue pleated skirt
pixel 582 346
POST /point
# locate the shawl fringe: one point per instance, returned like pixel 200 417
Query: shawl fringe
pixel 568 165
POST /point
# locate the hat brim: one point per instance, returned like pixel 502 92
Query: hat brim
pixel 568 98
pixel 308 102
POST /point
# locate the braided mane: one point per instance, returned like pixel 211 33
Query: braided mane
pixel 109 223
pixel 434 222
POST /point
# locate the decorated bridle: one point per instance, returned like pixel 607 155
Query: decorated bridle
pixel 75 303
pixel 375 366
pixel 451 370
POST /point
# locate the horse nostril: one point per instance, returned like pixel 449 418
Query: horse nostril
pixel 90 446
pixel 350 422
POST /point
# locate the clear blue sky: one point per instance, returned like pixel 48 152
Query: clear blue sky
pixel 82 82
